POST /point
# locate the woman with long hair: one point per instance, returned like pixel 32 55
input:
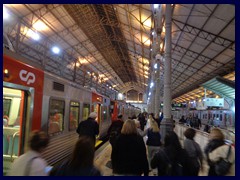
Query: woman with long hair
pixel 172 159
pixel 81 161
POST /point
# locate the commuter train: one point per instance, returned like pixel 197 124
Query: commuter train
pixel 223 118
pixel 37 100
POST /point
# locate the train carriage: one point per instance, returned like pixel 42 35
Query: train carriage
pixel 37 100
pixel 223 118
pixel 22 106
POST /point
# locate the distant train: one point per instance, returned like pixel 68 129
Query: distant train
pixel 34 99
pixel 222 118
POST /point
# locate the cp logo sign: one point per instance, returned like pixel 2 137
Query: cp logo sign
pixel 29 77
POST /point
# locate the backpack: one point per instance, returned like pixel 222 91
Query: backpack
pixel 173 168
pixel 223 165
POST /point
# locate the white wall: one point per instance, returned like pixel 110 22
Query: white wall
pixel 142 106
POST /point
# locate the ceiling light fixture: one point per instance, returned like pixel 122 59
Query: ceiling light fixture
pixel 55 50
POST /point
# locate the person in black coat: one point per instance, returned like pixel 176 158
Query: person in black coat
pixel 89 127
pixel 129 156
pixel 182 120
pixel 115 130
pixel 142 120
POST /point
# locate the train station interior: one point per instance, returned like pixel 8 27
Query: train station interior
pixel 170 59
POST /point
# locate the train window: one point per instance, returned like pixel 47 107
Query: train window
pixel 86 111
pixel 74 115
pixel 6 106
pixel 220 117
pixel 56 116
pixel 217 115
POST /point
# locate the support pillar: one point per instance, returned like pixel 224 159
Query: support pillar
pixel 157 92
pixel 152 98
pixel 167 123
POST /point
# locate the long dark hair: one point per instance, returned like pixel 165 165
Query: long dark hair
pixel 172 144
pixel 83 154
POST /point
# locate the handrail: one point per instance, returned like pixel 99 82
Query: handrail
pixel 229 134
pixel 211 126
pixel 13 139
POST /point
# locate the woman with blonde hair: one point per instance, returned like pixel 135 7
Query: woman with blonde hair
pixel 153 139
pixel 129 155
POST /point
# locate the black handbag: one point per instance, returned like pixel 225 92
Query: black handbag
pixel 223 165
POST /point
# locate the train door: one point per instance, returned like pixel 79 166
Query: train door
pixel 97 101
pixel 104 113
pixel 17 112
pixel 22 86
pixel 111 109
pixel 114 106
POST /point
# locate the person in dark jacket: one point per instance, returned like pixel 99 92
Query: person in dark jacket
pixel 216 139
pixel 115 129
pixel 182 120
pixel 142 120
pixel 129 156
pixel 207 128
pixel 81 161
pixel 89 127
pixel 194 151
pixel 172 159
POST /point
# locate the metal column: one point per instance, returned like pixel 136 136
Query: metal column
pixel 158 26
pixel 167 123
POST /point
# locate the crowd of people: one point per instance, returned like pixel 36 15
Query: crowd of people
pixel 132 154
pixel 195 122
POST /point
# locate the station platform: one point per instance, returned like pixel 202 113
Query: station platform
pixel 102 162
pixel 102 154
pixel 98 143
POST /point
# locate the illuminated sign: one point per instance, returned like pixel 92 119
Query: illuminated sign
pixel 216 102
